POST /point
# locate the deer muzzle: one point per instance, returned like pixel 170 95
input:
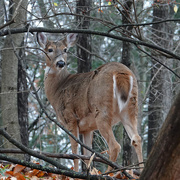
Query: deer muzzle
pixel 60 64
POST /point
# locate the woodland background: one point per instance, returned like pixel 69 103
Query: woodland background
pixel 144 35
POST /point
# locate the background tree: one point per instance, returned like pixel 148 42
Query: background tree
pixel 125 59
pixel 84 40
pixel 1 45
pixel 164 159
pixel 160 96
pixel 11 112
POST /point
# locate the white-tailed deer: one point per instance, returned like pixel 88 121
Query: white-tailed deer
pixel 88 101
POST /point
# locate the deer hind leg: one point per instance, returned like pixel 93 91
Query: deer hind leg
pixel 130 124
pixel 73 128
pixel 104 125
pixel 87 139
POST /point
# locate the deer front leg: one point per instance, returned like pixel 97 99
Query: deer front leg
pixel 87 140
pixel 73 128
pixel 130 124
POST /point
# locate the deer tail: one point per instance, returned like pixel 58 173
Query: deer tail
pixel 122 87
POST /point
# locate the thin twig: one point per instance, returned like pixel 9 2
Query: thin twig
pixel 139 32
pixel 159 62
pixel 7 24
pixel 17 9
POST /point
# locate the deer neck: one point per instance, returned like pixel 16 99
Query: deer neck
pixel 53 83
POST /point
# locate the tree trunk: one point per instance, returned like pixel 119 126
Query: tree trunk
pixel 23 100
pixel 164 159
pixel 1 45
pixel 84 61
pixel 10 75
pixel 127 148
pixel 160 91
pixel 84 40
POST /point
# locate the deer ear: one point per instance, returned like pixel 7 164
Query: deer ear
pixel 71 39
pixel 42 39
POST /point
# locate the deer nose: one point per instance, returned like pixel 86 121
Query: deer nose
pixel 60 64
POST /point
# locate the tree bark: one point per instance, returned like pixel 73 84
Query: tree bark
pixel 84 40
pixel 164 159
pixel 84 61
pixel 160 91
pixel 10 75
pixel 1 45
pixel 23 99
pixel 126 50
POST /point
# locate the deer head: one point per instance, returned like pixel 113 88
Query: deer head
pixel 56 52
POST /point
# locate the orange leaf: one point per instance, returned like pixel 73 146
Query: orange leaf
pixel 111 174
pixel 99 10
pixel 33 173
pixel 9 173
pixel 118 175
pixel 40 174
pixel 19 176
pixel 99 172
pixel 18 168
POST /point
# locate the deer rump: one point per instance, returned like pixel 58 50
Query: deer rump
pixel 81 97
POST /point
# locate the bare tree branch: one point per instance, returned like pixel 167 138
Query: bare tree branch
pixel 85 31
pixel 144 24
pixel 31 152
pixel 71 173
pixel 7 24
pixel 55 155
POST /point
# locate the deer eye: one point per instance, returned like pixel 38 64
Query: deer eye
pixel 65 50
pixel 50 50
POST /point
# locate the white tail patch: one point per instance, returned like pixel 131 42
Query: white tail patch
pixel 117 94
pixel 131 85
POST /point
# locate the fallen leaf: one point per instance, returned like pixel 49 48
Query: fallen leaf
pixel 11 173
pixel 118 175
pixel 18 168
pixel 32 173
pixel 20 176
pixel 41 174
